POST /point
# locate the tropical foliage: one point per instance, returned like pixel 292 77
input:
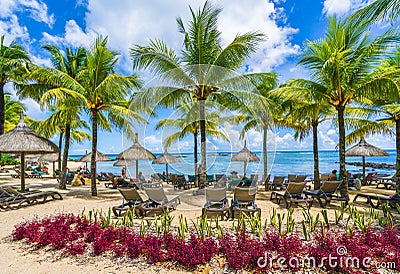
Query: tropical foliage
pixel 203 71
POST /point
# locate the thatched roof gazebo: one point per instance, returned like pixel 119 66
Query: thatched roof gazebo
pixel 22 140
pixel 245 156
pixel 166 159
pixel 135 153
pixel 100 157
pixel 364 149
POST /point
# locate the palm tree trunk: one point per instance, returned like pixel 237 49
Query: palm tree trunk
pixel 2 111
pixel 94 149
pixel 397 175
pixel 203 168
pixel 317 184
pixel 342 147
pixel 63 182
pixel 196 160
pixel 265 159
pixel 59 153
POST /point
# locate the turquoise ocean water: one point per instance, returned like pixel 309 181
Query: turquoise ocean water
pixel 279 163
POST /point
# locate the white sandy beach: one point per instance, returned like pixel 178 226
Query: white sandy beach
pixel 15 259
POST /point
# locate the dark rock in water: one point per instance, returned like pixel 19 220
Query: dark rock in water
pixel 373 165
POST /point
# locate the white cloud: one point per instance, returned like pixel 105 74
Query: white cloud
pixel 343 7
pixel 73 36
pixel 36 9
pixel 12 29
pixel 134 22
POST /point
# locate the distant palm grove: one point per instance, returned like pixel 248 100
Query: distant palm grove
pixel 354 81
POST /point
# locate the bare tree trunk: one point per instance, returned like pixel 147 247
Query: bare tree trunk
pixel 317 183
pixel 196 160
pixel 94 149
pixel 265 158
pixel 203 170
pixel 397 175
pixel 63 182
pixel 342 147
pixel 59 153
pixel 22 171
pixel 2 111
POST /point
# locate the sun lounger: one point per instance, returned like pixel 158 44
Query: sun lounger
pixel 370 178
pixel 158 202
pixel 130 199
pixel 18 199
pixel 181 182
pixel 324 177
pixel 292 194
pixel 326 192
pixel 266 182
pixel 291 178
pixel 300 178
pixel 216 203
pixel 277 183
pixel 244 202
pixel 380 199
pixel 386 184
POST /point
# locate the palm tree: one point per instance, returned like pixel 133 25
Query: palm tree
pixel 188 123
pixel 203 71
pixel 56 124
pixel 65 111
pixel 342 63
pixel 378 10
pixel 12 109
pixel 101 93
pixel 263 120
pixel 13 61
pixel 310 113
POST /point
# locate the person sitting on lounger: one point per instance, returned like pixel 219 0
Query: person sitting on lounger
pixel 333 176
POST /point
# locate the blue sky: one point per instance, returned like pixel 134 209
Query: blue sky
pixel 71 23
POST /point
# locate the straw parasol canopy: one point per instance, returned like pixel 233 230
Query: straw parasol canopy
pixel 364 149
pixel 124 163
pixel 135 153
pixel 245 155
pixel 51 157
pixel 166 159
pixel 100 157
pixel 22 140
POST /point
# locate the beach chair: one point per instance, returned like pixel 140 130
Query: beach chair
pixel 326 192
pixel 216 203
pixel 233 183
pixel 181 182
pixel 291 178
pixel 158 203
pixel 131 199
pixel 18 199
pixel 277 183
pixel 165 178
pixel 324 177
pixel 370 178
pixel 210 178
pixel 380 199
pixel 300 178
pixel 219 177
pixel 110 182
pixel 266 182
pixel 153 185
pixel 386 184
pixel 244 202
pixel 292 194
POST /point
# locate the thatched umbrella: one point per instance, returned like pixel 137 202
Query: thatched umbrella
pixel 245 156
pixel 124 163
pixel 166 159
pixel 51 157
pixel 135 153
pixel 22 140
pixel 100 157
pixel 364 149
